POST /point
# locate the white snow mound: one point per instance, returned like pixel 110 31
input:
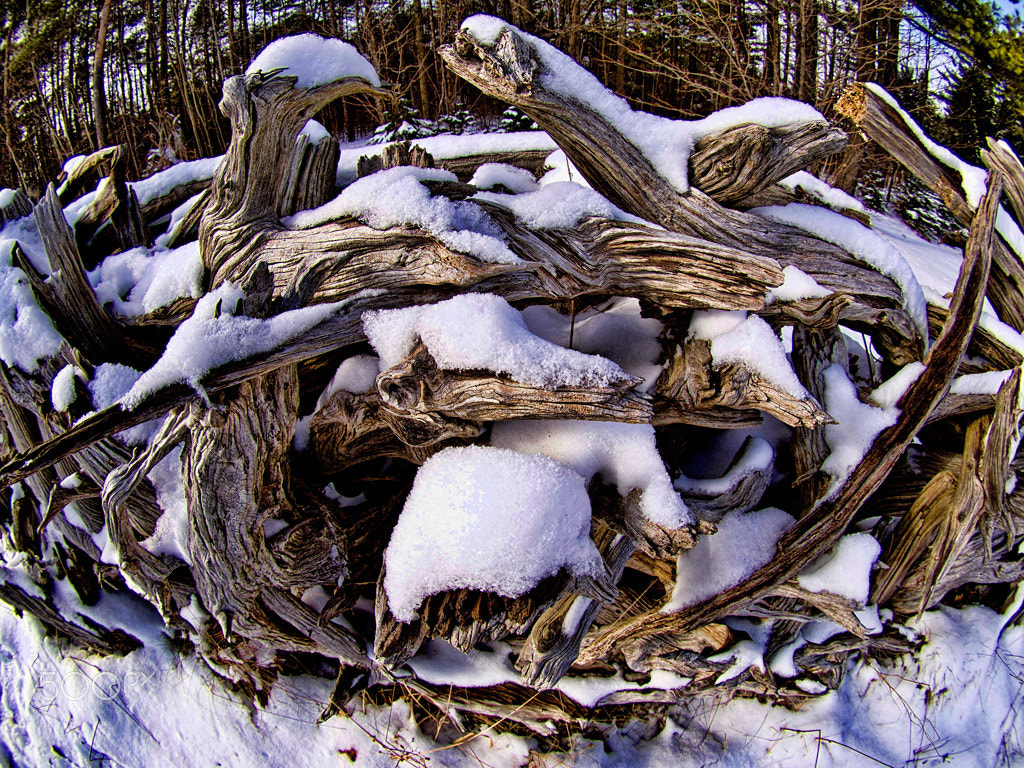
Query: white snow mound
pixel 487 519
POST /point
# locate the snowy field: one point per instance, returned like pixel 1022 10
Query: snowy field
pixel 959 704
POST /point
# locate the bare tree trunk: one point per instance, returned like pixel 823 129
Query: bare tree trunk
pixel 99 97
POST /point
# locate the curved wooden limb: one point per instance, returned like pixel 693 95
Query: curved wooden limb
pixel 424 403
pixel 873 115
pixel 554 642
pixel 623 515
pixel 691 385
pixel 150 572
pixel 72 184
pixel 238 492
pixel 251 185
pixel 736 163
pixel 510 69
pixel 739 490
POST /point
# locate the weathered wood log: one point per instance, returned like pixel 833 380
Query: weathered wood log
pixel 14 207
pixel 72 184
pixel 553 644
pixel 115 202
pixel 735 164
pixel 819 529
pixel 311 177
pixel 67 295
pixel 105 642
pixel 873 115
pixel 692 391
pixel 511 70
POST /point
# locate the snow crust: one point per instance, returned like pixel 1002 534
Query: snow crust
pixel 559 205
pixel 487 519
pixel 665 143
pixel 750 341
pixel 862 243
pixel 313 61
pixel 858 424
pixel 625 455
pixel 143 279
pixel 480 331
pixel 744 542
pixel 396 197
pixel 987 383
pixel 796 285
pixel 819 190
pixel 615 330
pixel 27 334
pixel 208 339
pixel 845 570
pixel 514 180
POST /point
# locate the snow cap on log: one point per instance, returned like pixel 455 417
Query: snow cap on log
pixel 488 519
pixel 664 142
pixel 313 61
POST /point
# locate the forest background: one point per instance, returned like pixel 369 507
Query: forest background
pixel 80 75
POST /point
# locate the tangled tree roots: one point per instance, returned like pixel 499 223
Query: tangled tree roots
pixel 275 566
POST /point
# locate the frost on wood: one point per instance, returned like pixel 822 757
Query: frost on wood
pixel 653 443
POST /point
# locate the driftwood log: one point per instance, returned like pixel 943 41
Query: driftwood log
pixel 275 564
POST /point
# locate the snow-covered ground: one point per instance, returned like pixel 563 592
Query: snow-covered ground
pixel 959 703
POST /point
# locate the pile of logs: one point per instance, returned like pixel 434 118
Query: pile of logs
pixel 936 489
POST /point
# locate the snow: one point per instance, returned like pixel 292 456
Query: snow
pixel 749 341
pixel 665 143
pixel 858 424
pixel 110 382
pixel 845 570
pixel 862 243
pixel 27 334
pixel 625 455
pixel 355 374
pixel 987 383
pixel 162 182
pixel 745 541
pixel 889 392
pixel 819 190
pixel 62 391
pixel 562 169
pixel 6 196
pixel 177 216
pixel 744 655
pixel 758 457
pixel 614 329
pixel 171 534
pixel 396 197
pixel 974 180
pixel 513 179
pixel 559 205
pixel 314 132
pixel 487 519
pixel 313 61
pixel 142 280
pixel 212 336
pixel 483 332
pixel 796 285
